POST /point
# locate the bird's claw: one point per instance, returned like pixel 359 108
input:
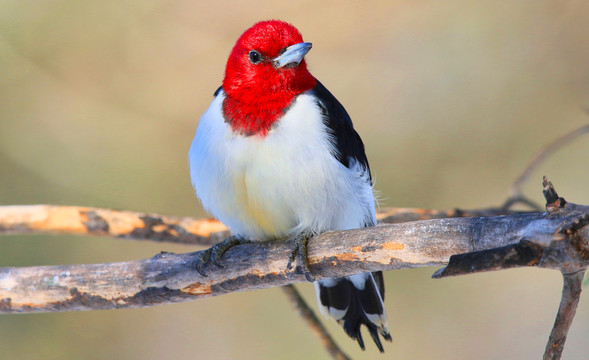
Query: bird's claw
pixel 216 258
pixel 300 249
pixel 202 259
pixel 292 257
pixel 215 253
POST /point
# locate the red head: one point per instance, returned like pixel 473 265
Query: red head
pixel 264 73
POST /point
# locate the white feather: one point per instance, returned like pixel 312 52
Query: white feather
pixel 359 280
pixel 280 185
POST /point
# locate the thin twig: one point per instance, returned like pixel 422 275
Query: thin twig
pixel 571 293
pixel 520 199
pixel 542 155
pixel 309 316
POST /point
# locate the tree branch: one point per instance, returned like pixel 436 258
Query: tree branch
pixel 568 252
pixel 171 277
pixel 93 221
pixel 79 220
pixel 541 155
pixel 300 304
pixel 571 294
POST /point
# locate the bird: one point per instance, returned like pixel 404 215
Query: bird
pixel 276 157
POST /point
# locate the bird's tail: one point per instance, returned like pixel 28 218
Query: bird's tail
pixel 353 301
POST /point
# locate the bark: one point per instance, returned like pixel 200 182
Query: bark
pixel 93 221
pixel 78 220
pixel 171 277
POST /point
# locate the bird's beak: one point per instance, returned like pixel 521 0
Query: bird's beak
pixel 293 55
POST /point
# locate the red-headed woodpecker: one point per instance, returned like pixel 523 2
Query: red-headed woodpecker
pixel 276 157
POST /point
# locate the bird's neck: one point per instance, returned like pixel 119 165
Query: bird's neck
pixel 251 112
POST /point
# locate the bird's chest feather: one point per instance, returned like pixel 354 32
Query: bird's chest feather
pixel 266 186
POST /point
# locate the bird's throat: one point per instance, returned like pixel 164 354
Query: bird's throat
pixel 256 115
pixel 253 109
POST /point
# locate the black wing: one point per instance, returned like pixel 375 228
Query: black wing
pixel 348 143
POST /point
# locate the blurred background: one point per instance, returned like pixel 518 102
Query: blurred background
pixel 99 102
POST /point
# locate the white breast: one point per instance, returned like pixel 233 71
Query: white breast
pixel 280 185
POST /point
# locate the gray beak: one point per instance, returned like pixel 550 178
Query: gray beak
pixel 293 55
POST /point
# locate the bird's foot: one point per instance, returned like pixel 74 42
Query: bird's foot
pixel 215 253
pixel 300 249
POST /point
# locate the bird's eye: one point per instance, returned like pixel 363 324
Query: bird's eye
pixel 255 57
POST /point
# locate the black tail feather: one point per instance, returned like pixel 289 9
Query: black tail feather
pixel 356 301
